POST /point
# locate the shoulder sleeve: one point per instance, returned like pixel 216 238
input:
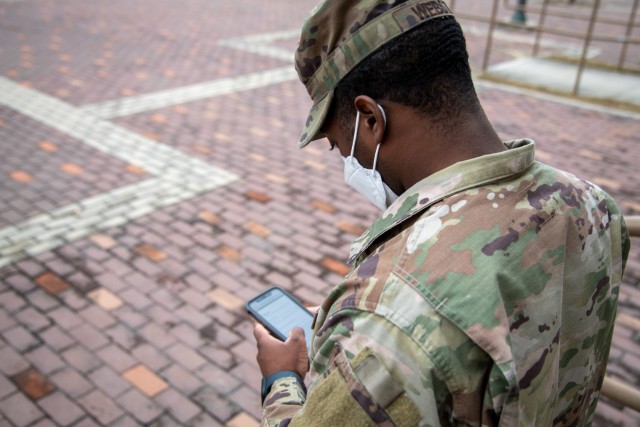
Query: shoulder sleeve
pixel 373 374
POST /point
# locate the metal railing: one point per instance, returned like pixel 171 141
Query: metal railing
pixel 546 9
pixel 613 388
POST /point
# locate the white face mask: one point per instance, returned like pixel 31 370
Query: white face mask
pixel 367 182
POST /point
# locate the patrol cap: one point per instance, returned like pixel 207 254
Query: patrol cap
pixel 338 34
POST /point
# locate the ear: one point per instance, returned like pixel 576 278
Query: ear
pixel 372 120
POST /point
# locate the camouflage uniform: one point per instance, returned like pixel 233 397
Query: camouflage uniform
pixel 485 295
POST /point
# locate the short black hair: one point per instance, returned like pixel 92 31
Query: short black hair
pixel 426 68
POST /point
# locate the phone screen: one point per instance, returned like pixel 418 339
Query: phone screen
pixel 279 312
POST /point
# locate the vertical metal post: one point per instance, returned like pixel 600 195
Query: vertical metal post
pixel 625 44
pixel 585 48
pixel 540 28
pixel 492 25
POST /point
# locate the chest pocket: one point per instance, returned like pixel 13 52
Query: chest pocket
pixel 358 394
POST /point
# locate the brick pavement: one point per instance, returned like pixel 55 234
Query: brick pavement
pixel 151 185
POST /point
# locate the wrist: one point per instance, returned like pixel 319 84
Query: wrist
pixel 269 380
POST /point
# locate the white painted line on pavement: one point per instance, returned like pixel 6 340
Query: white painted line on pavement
pixel 259 44
pixel 264 38
pixel 178 177
pixel 156 158
pixel 166 98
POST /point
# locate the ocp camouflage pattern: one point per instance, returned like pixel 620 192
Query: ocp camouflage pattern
pixel 487 292
pixel 338 35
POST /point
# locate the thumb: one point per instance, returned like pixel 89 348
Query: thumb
pixel 296 334
pixel 297 339
pixel 260 332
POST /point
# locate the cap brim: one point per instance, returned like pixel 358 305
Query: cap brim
pixel 315 120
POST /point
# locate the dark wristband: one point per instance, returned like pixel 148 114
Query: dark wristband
pixel 267 382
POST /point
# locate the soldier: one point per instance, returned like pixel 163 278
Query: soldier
pixel 486 292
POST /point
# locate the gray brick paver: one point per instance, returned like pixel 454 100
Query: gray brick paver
pixel 157 335
pixel 86 422
pixel 181 379
pixel 80 359
pixel 55 338
pixel 11 301
pixel 218 356
pixel 61 408
pixel 6 321
pixel 218 378
pixel 32 319
pixel 45 360
pixel 188 335
pixel 185 356
pixel 150 356
pixel 72 299
pixel 123 336
pixel 24 283
pixel 20 410
pixel 6 387
pixel 44 423
pixel 43 301
pixel 249 400
pixel 125 422
pixel 181 408
pixel 217 404
pixel 108 381
pixel 205 420
pixel 139 406
pixel 66 318
pixel 100 406
pixel 71 382
pixel 89 336
pixel 97 317
pixel 192 316
pixel 19 338
pixel 116 357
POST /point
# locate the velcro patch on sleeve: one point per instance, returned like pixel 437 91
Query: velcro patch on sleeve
pixel 377 380
pixel 365 395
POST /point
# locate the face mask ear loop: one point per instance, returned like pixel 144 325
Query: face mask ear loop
pixel 384 116
pixel 375 157
pixel 355 134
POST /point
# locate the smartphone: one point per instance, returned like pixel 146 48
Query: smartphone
pixel 280 312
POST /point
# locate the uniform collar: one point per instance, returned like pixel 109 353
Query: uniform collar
pixel 453 179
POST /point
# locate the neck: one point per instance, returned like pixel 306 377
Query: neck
pixel 429 148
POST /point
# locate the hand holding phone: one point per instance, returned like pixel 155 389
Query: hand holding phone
pixel 277 356
pixel 280 312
